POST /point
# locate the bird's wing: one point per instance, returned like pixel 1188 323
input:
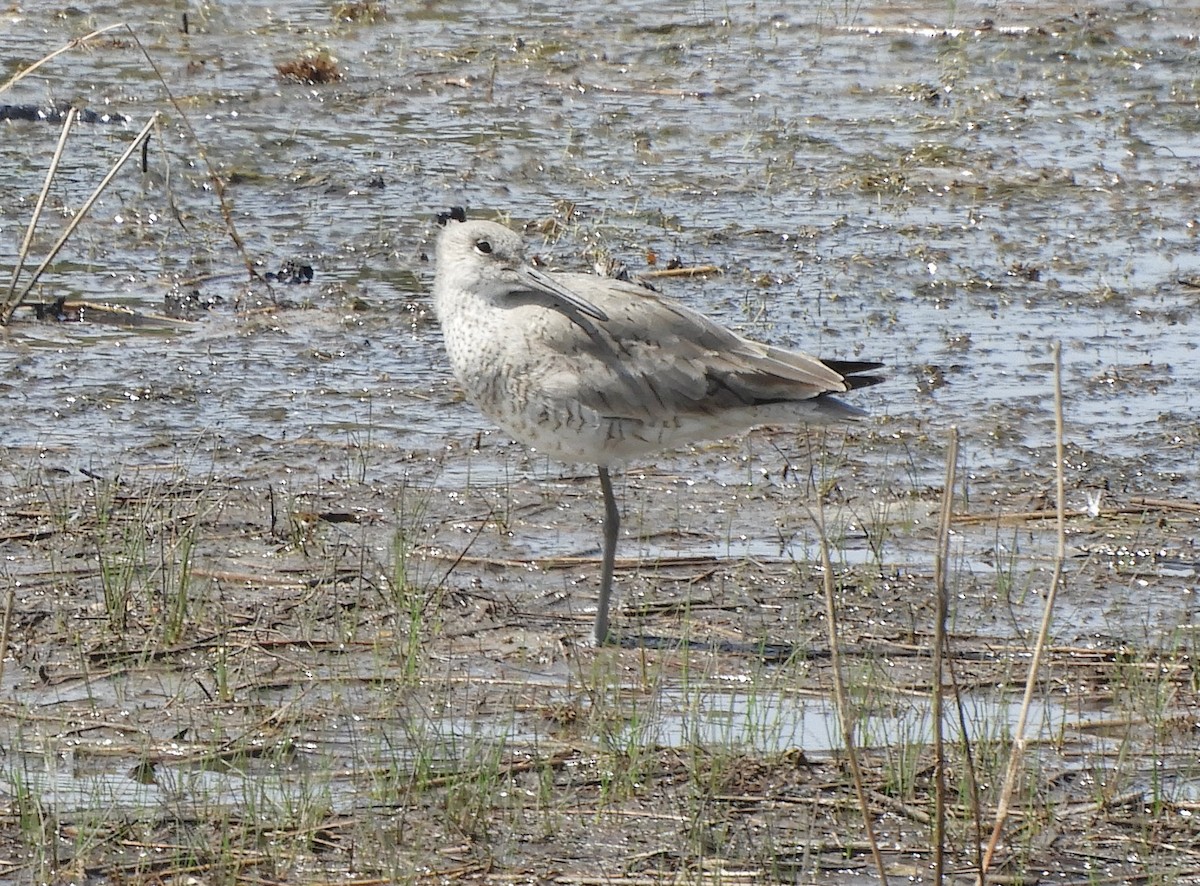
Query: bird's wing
pixel 654 356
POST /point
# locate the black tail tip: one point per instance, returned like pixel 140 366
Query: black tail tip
pixel 852 372
pixel 456 213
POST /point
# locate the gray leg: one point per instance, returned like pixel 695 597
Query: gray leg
pixel 612 523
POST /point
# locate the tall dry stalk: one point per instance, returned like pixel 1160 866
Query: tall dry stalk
pixel 10 303
pixel 13 299
pixel 79 41
pixel 841 697
pixel 214 177
pixel 942 606
pixel 1019 742
pixel 13 302
pixel 9 602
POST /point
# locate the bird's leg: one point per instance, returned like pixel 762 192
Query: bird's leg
pixel 612 523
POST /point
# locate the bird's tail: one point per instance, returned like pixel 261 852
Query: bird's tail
pixel 852 372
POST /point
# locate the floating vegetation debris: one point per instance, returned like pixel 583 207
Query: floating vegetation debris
pixel 319 67
pixel 366 11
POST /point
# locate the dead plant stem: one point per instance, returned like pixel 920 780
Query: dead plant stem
pixel 213 176
pixel 1019 741
pixel 23 253
pixel 942 606
pixel 8 611
pixel 25 72
pixel 12 304
pixel 841 696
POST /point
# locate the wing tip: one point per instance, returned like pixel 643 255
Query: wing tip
pixel 854 373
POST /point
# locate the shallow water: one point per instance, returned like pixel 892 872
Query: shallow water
pixel 872 186
pixel 950 188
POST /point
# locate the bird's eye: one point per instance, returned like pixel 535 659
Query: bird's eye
pixel 483 246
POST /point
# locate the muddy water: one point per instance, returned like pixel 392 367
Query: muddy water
pixel 896 184
pixel 938 187
pixel 950 188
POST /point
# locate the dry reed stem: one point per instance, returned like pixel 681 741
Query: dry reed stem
pixel 696 271
pixel 942 606
pixel 217 182
pixel 974 809
pixel 841 697
pixel 25 72
pixel 23 253
pixel 4 629
pixel 1137 505
pixel 12 304
pixel 1019 741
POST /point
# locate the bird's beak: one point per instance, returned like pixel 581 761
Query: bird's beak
pixel 565 300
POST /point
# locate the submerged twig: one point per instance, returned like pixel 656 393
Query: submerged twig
pixel 1019 741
